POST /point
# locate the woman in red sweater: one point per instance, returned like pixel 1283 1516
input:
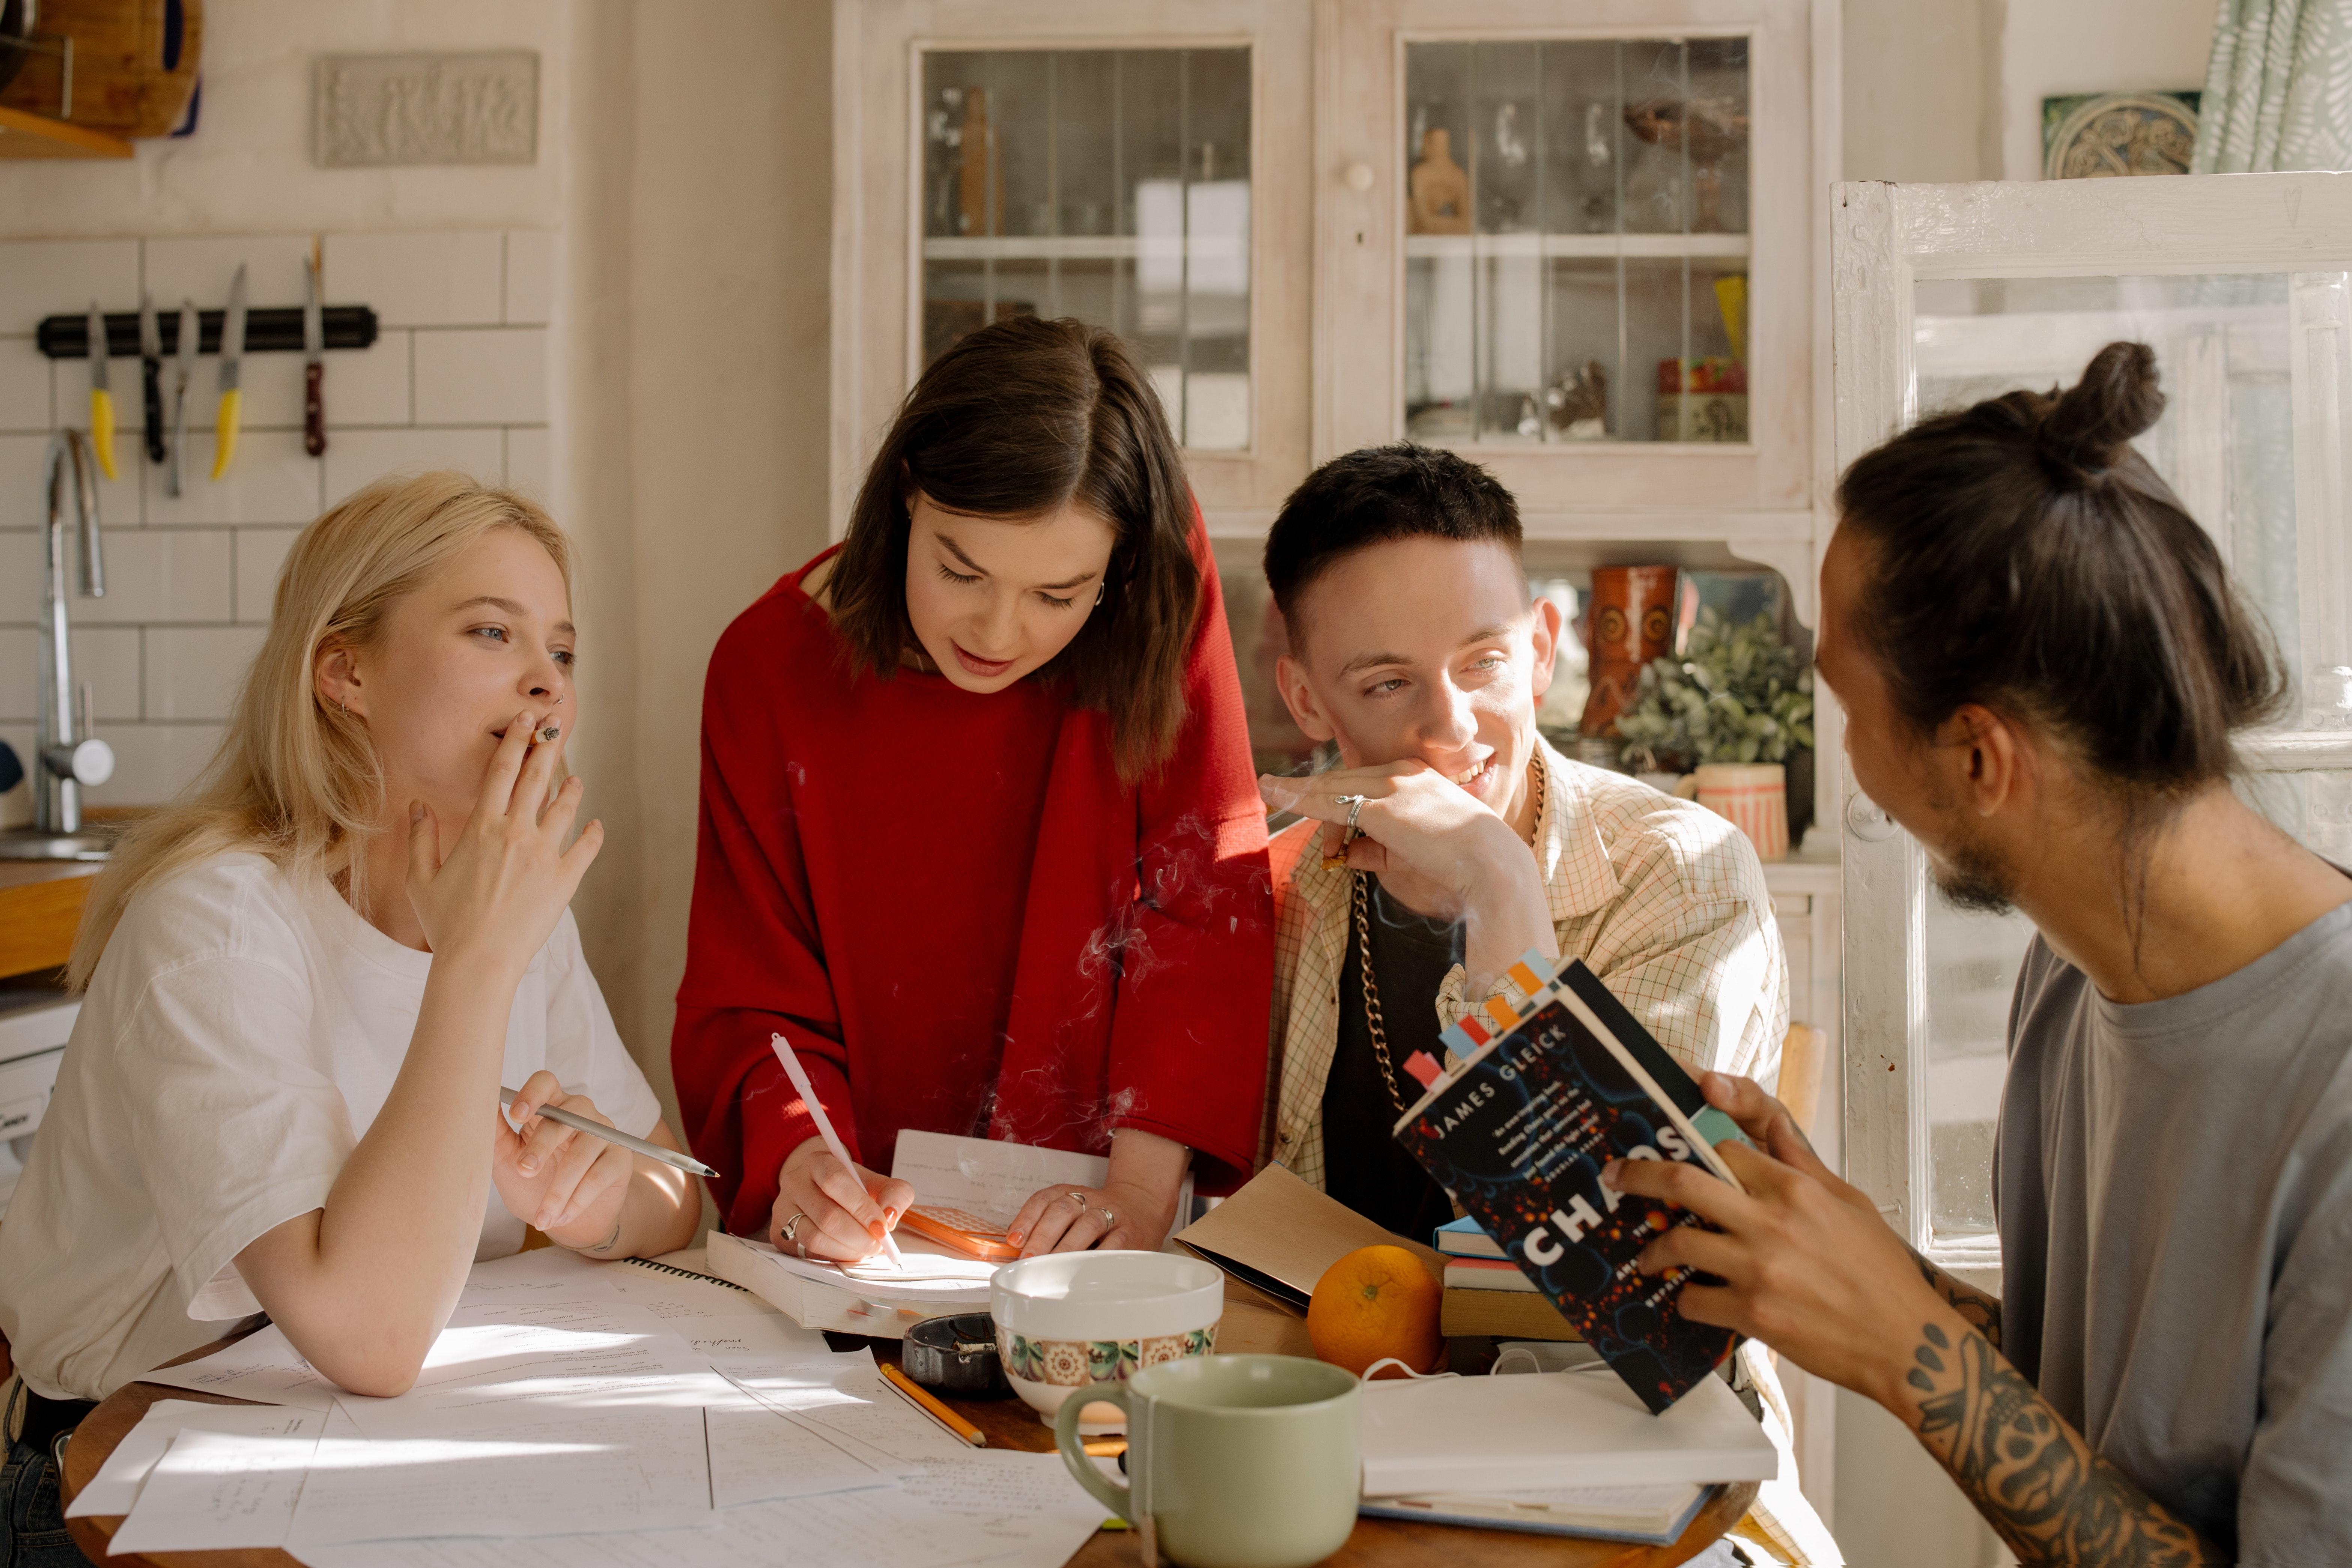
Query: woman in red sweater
pixel 981 835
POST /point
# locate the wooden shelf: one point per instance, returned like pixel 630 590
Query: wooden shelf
pixel 27 135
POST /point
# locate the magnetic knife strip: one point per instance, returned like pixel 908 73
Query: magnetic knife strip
pixel 266 332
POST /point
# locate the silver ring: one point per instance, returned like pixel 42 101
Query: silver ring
pixel 1355 805
pixel 1077 1197
pixel 1110 1220
pixel 790 1229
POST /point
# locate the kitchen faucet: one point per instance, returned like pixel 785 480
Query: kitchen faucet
pixel 66 756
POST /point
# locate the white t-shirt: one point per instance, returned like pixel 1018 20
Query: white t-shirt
pixel 241 1032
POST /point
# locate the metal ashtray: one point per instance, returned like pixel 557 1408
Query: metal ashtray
pixel 956 1356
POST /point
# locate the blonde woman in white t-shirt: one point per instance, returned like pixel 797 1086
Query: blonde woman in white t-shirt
pixel 307 980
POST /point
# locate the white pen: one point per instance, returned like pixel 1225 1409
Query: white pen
pixel 687 1163
pixel 799 1075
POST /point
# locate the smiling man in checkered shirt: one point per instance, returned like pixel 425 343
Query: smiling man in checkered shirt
pixel 1415 645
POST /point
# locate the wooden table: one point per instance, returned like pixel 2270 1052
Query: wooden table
pixel 40 908
pixel 1010 1424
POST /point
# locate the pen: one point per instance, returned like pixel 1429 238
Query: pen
pixel 920 1397
pixel 799 1075
pixel 687 1163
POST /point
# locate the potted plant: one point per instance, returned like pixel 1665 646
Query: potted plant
pixel 1736 695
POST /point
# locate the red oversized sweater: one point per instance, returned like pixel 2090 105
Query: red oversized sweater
pixel 959 916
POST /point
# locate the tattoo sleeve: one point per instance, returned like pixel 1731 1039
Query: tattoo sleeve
pixel 2032 1476
pixel 1980 1311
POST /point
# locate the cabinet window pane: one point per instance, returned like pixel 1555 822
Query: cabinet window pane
pixel 1576 241
pixel 1109 185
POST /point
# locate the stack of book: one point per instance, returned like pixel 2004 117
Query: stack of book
pixel 1486 1293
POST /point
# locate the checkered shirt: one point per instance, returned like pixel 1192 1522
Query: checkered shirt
pixel 1661 898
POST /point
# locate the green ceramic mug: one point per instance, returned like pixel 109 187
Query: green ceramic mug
pixel 1233 1461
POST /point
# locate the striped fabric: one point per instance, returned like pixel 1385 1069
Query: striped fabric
pixel 1661 898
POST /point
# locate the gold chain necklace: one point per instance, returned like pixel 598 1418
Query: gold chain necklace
pixel 1360 896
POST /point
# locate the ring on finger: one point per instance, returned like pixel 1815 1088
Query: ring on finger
pixel 1076 1196
pixel 1110 1220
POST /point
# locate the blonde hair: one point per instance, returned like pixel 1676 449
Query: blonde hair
pixel 296 778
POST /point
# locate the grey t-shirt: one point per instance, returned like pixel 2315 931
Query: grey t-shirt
pixel 2174 1185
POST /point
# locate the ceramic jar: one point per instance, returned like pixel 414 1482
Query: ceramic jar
pixel 1631 622
pixel 1754 796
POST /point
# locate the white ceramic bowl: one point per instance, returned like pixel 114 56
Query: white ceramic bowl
pixel 1064 1319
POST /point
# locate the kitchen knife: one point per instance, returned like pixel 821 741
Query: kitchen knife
pixel 101 401
pixel 232 366
pixel 183 370
pixel 314 368
pixel 151 377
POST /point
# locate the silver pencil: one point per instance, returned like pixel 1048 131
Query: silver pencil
pixel 686 1163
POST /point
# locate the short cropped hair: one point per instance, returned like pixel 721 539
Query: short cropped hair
pixel 1374 496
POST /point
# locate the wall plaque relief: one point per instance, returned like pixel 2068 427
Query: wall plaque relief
pixel 377 110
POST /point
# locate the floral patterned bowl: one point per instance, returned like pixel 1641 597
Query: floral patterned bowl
pixel 1069 1319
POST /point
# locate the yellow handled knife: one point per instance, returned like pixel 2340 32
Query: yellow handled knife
pixel 101 401
pixel 232 369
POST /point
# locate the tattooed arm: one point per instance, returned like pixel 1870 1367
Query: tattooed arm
pixel 2030 1475
pixel 1810 1267
pixel 1978 1310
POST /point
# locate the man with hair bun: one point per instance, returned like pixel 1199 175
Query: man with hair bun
pixel 2043 660
pixel 1416 649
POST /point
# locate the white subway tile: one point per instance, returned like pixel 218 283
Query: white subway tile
pixel 203 268
pixel 419 279
pixel 493 377
pixel 529 463
pixel 367 386
pixel 270 479
pixel 162 574
pixel 152 763
pixel 261 552
pixel 194 672
pixel 530 277
pixel 59 277
pixel 23 385
pixel 355 458
pixel 24 504
pixel 106 658
pixel 20 577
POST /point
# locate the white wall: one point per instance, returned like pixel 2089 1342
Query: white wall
pixel 2050 50
pixel 685 169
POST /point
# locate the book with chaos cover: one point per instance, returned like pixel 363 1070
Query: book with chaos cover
pixel 1546 1095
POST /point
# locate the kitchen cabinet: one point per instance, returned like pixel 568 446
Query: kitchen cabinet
pixel 1579 241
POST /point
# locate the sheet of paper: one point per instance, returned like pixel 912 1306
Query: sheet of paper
pixel 762 1454
pixel 115 1489
pixel 215 1490
pixel 851 1402
pixel 929 1275
pixel 580 1472
pixel 716 1321
pixel 498 1363
pixel 986 1175
pixel 837 1531
pixel 263 1366
pixel 542 1274
pixel 1016 1510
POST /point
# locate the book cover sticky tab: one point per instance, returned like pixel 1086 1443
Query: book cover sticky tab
pixel 1424 1067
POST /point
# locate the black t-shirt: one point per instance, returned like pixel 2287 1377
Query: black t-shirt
pixel 1363 1164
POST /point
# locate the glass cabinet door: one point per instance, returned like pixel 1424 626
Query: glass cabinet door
pixel 1576 240
pixel 1113 185
pixel 1953 294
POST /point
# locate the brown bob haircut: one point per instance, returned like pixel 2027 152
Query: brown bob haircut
pixel 2025 557
pixel 1014 422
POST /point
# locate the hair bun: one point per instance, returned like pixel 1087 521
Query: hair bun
pixel 2087 428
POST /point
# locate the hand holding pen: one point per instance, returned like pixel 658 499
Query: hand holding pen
pixel 827 1206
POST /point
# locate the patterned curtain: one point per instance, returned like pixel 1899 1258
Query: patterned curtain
pixel 2278 94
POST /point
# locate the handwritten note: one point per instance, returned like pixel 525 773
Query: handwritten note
pixel 762 1454
pixel 263 1366
pixel 213 1490
pixel 116 1487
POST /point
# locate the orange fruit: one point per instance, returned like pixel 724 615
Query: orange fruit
pixel 1377 1301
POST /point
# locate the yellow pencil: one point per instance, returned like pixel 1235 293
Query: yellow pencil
pixel 920 1397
